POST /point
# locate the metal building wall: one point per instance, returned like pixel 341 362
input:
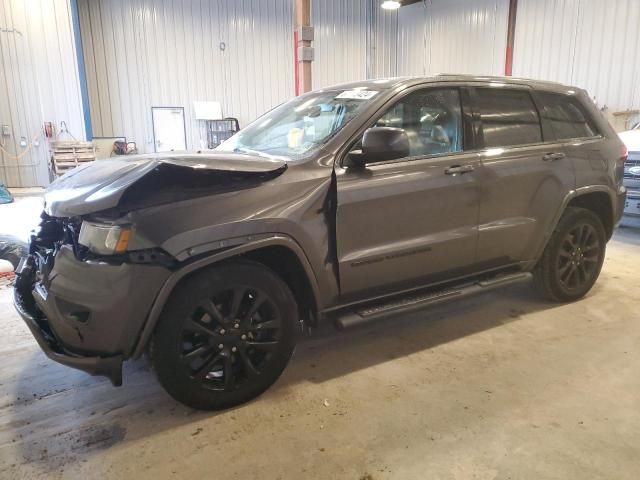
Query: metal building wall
pixel 384 38
pixel 340 41
pixel 357 39
pixel 38 82
pixel 592 44
pixel 452 36
pixel 143 53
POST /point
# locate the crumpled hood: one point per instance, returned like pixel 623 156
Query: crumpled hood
pixel 100 185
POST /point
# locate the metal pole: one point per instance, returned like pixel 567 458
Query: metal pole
pixel 302 10
pixel 511 33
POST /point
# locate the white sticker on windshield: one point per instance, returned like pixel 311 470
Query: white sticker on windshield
pixel 357 94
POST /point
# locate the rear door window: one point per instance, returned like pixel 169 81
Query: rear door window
pixel 509 117
pixel 565 116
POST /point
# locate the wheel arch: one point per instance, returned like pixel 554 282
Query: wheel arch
pixel 597 198
pixel 287 265
pixel 280 253
pixel 600 203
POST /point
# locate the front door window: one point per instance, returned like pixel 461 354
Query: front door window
pixel 432 119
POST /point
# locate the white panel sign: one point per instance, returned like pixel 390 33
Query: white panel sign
pixel 168 129
pixel 207 110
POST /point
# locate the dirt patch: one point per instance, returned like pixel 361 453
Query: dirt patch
pixel 98 437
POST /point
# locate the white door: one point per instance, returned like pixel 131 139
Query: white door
pixel 168 129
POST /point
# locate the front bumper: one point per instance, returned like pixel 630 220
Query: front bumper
pixel 88 315
pixel 110 367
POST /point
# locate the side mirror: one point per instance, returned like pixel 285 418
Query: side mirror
pixel 380 144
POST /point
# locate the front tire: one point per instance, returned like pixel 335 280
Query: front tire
pixel 225 335
pixel 573 258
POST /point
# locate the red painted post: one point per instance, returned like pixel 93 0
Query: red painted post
pixel 302 12
pixel 511 33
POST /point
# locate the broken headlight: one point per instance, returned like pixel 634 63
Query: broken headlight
pixel 104 239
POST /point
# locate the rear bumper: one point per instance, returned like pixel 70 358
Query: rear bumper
pixel 88 315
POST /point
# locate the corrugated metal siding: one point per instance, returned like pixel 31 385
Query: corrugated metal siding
pixel 384 47
pixel 423 38
pixel 38 83
pixel 413 53
pixel 145 53
pixel 452 36
pixel 588 43
pixel 340 41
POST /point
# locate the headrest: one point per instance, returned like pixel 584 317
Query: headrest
pixel 439 135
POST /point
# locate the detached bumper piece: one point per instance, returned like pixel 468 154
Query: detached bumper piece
pixel 110 367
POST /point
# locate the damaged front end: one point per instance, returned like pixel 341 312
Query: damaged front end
pixel 89 280
pixel 31 299
pixel 77 305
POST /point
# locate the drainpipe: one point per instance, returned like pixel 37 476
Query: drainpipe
pixel 303 53
pixel 82 74
pixel 511 33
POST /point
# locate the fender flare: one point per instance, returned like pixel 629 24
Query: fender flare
pixel 578 192
pixel 177 275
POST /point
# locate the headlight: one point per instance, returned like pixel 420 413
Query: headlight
pixel 104 239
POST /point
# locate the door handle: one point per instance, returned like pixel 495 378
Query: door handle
pixel 552 157
pixel 455 169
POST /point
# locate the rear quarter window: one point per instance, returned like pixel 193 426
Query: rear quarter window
pixel 509 117
pixel 565 116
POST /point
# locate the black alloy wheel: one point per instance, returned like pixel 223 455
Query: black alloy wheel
pixel 225 335
pixel 230 337
pixel 578 257
pixel 573 257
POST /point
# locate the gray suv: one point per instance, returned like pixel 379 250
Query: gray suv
pixel 348 204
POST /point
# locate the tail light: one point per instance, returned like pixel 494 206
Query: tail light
pixel 624 153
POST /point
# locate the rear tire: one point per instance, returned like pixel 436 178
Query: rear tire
pixel 573 258
pixel 225 335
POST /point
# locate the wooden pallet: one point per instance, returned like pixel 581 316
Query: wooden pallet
pixel 66 155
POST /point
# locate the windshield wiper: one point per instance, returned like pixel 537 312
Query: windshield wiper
pixel 247 150
pixel 257 153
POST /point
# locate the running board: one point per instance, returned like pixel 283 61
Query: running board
pixel 417 302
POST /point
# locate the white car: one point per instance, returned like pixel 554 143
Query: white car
pixel 631 139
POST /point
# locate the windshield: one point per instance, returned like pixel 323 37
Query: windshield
pixel 298 126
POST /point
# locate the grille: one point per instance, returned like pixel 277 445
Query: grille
pixel 629 165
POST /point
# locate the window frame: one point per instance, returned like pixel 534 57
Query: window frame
pixel 466 119
pixel 547 126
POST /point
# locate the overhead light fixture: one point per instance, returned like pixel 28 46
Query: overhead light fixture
pixel 390 5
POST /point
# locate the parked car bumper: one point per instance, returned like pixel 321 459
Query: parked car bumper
pixel 632 203
pixel 632 184
pixel 82 314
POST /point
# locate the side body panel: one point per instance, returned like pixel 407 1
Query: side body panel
pixel 522 188
pixel 405 221
pixel 520 195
